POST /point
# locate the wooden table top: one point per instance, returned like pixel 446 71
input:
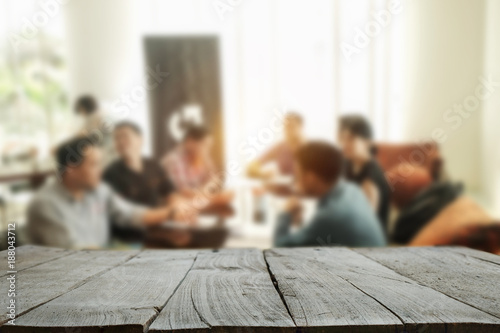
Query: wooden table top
pixel 248 290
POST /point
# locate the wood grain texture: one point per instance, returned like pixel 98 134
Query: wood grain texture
pixel 246 290
pixel 318 298
pixel 465 278
pixel 486 256
pixel 418 307
pixel 42 283
pixel 29 255
pixel 225 291
pixel 124 299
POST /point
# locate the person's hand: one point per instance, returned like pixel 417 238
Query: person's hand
pixel 259 191
pixel 189 216
pixel 183 211
pixel 268 174
pixel 223 198
pixel 187 193
pixel 294 207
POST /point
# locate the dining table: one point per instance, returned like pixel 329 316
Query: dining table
pixel 316 289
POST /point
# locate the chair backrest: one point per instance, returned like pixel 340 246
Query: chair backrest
pixel 425 155
pixel 423 160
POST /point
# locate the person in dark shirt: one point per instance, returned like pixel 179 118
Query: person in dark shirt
pixel 355 137
pixel 138 179
pixel 134 177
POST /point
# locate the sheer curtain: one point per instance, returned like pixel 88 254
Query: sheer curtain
pixel 280 55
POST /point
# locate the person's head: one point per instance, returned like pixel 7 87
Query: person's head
pixel 319 166
pixel 196 140
pixel 128 139
pixel 355 137
pixel 79 163
pixel 292 126
pixel 86 105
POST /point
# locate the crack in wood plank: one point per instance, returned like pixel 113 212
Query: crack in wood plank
pixel 376 300
pixel 276 286
pixel 158 309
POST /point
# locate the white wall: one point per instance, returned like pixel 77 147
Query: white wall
pixel 443 58
pixel 105 55
pixel 491 120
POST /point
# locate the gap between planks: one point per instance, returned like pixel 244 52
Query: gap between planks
pixel 20 251
pixel 158 310
pixel 76 286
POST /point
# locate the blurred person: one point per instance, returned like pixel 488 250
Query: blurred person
pixel 189 165
pixel 89 115
pixel 90 122
pixel 343 217
pixel 191 169
pixel 355 138
pixel 283 152
pixel 74 211
pixel 136 178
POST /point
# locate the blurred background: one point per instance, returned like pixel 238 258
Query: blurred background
pixel 420 71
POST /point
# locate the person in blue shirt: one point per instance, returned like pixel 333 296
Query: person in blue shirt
pixel 343 217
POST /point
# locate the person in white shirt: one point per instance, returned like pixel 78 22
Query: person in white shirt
pixel 74 211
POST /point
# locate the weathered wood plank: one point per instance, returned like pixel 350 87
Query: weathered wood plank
pixel 417 306
pixel 486 256
pixel 124 299
pixel 319 299
pixel 226 290
pixel 465 278
pixel 29 255
pixel 42 283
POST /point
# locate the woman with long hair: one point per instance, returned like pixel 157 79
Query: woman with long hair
pixel 355 138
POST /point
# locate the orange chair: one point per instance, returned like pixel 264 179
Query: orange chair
pixel 409 168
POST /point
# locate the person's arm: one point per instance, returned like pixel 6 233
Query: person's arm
pixel 127 213
pixel 175 172
pixel 255 168
pixel 282 235
pixel 156 215
pixel 372 193
pixel 308 235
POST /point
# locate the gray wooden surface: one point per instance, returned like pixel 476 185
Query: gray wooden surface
pixel 246 290
pixel 25 260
